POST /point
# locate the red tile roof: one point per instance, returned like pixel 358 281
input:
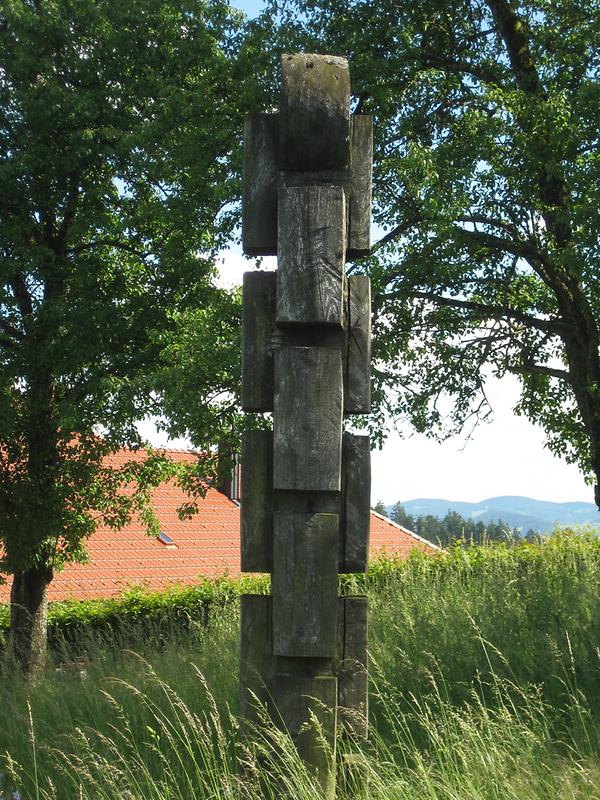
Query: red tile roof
pixel 207 545
pixel 389 538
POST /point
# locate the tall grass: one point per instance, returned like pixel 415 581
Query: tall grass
pixel 528 614
pixel 150 743
pixel 484 685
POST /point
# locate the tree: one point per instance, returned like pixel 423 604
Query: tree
pixel 487 184
pixel 453 526
pixel 117 125
pixel 379 507
pixel 429 527
pixel 401 517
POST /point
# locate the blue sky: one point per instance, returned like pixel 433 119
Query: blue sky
pixel 250 7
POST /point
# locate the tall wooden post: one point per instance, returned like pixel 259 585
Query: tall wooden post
pixel 306 352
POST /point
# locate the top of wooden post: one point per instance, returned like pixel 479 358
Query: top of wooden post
pixel 315 113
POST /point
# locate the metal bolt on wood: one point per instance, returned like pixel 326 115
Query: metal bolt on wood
pixel 306 353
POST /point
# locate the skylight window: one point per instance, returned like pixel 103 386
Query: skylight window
pixel 166 540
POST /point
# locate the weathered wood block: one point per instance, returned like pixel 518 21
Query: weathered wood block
pixel 315 112
pixel 305 704
pixel 360 188
pixel 352 665
pixel 262 180
pixel 256 523
pixel 259 198
pixel 312 246
pixel 258 324
pixel 257 662
pixel 304 585
pixel 357 390
pixel 355 511
pixel 307 429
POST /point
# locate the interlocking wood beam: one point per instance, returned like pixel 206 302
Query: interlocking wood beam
pixel 306 352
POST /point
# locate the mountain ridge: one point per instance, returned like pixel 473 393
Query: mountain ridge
pixel 518 511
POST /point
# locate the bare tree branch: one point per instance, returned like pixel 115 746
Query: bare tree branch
pixel 541 369
pixel 518 247
pixel 493 222
pixel 554 326
pixel 399 230
pixel 432 61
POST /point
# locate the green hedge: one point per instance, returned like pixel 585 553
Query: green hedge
pixel 139 608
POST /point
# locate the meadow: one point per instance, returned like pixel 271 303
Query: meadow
pixel 485 685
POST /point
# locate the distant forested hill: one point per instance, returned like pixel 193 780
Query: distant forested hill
pixel 517 512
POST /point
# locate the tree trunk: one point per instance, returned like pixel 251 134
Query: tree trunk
pixel 28 619
pixel 582 338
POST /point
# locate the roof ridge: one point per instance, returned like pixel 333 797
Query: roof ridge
pixel 405 530
pixel 189 450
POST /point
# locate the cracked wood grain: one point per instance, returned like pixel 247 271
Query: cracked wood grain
pixel 312 244
pixel 307 420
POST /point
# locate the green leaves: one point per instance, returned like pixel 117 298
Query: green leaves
pixel 486 185
pixel 200 366
pixel 119 122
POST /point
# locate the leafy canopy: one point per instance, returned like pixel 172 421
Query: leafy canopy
pixel 119 124
pixel 487 188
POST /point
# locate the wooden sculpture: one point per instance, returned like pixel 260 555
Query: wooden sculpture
pixel 306 351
